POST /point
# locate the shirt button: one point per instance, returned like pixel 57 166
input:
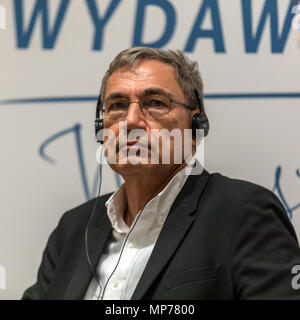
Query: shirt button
pixel 161 219
pixel 132 245
pixel 116 283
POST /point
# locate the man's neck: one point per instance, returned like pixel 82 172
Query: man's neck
pixel 140 191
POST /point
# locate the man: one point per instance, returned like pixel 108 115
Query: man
pixel 165 234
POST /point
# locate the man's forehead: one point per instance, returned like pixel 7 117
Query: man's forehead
pixel 154 67
pixel 147 73
pixel 134 66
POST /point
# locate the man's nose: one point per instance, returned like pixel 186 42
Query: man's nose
pixel 135 117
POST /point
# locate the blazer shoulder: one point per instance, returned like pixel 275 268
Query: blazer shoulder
pixel 248 200
pixel 236 188
pixel 236 193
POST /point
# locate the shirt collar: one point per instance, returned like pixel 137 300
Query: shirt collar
pixel 159 205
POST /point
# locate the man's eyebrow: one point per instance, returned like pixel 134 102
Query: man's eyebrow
pixel 116 95
pixel 156 91
pixel 146 92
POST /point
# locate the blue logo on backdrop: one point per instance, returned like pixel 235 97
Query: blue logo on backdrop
pixel 76 132
pixel 210 8
pixel 278 189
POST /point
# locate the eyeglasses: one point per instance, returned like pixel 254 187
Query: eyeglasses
pixel 152 107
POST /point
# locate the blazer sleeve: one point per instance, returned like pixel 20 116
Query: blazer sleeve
pixel 46 269
pixel 264 249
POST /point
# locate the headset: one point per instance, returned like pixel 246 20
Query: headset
pixel 199 121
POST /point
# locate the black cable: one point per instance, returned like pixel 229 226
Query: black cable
pixel 87 227
pixel 127 236
pixel 102 290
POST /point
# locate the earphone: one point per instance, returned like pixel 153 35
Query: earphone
pixel 199 120
pixel 99 122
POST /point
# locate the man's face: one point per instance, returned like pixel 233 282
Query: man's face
pixel 134 85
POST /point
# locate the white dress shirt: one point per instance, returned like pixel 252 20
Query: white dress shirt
pixel 144 233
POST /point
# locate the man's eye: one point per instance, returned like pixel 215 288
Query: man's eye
pixel 155 103
pixel 118 105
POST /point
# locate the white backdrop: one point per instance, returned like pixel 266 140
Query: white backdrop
pixel 52 58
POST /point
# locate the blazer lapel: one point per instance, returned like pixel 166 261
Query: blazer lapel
pixel 98 234
pixel 173 232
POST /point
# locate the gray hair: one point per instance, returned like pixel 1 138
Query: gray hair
pixel 186 71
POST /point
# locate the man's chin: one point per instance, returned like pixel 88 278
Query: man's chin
pixel 135 165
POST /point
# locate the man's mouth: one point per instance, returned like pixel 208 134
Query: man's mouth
pixel 135 145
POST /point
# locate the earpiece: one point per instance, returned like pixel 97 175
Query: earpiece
pixel 99 123
pixel 98 130
pixel 200 120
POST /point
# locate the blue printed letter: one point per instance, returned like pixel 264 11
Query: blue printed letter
pixel 100 22
pixel 270 8
pixel 41 7
pixel 139 24
pixel 215 33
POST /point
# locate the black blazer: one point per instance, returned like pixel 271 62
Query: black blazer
pixel 223 239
